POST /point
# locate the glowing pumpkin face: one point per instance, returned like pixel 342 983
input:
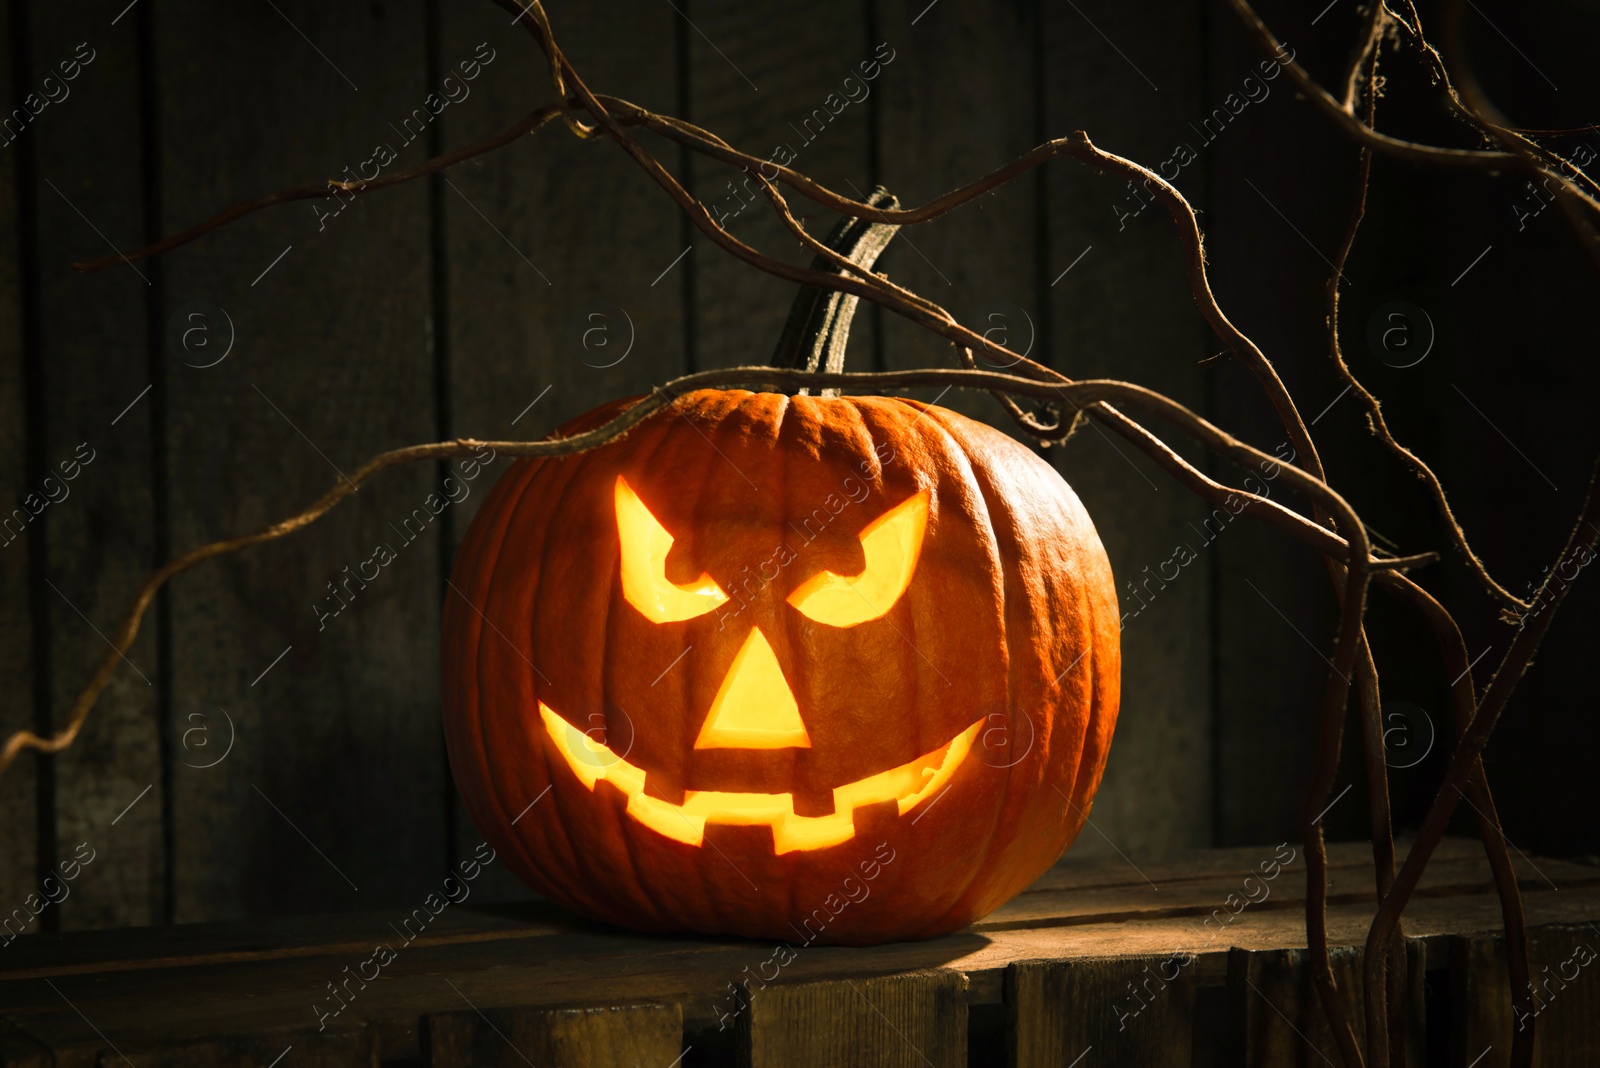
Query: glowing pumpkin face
pixel 710 676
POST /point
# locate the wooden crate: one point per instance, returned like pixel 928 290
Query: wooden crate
pixel 1196 961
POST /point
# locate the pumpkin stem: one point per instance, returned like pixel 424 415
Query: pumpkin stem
pixel 818 328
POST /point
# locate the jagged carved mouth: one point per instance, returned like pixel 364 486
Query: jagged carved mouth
pixel 908 785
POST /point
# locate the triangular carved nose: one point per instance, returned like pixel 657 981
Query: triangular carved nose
pixel 754 707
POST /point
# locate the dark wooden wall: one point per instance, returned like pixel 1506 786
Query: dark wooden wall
pixel 521 289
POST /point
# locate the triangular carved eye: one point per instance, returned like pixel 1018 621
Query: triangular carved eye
pixel 645 544
pixel 891 544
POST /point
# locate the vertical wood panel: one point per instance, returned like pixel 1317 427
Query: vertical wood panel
pixel 98 407
pixel 959 100
pixel 1564 964
pixel 1276 1016
pixel 554 245
pixel 1270 279
pixel 916 1020
pixel 335 781
pixel 769 79
pixel 625 1035
pixel 19 838
pixel 1480 1003
pixel 1123 310
pixel 1134 1011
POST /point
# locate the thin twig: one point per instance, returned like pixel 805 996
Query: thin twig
pixel 331 188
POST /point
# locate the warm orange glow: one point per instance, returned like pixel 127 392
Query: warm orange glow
pixel 754 708
pixel 645 544
pixel 891 544
pixel 908 786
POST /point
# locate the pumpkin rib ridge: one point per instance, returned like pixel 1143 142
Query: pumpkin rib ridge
pixel 708 471
pixel 613 585
pixel 555 876
pixel 877 423
pixel 467 636
pixel 768 416
pixel 555 829
pixel 844 418
pixel 749 411
pixel 1092 567
pixel 979 478
pixel 790 882
pixel 882 422
pixel 1096 715
pixel 1083 786
pixel 484 574
pixel 956 449
pixel 575 466
pixel 646 891
pixel 664 896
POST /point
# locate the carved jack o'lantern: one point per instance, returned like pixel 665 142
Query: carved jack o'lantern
pixel 813 668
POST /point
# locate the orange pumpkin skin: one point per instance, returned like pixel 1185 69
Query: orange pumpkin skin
pixel 1009 624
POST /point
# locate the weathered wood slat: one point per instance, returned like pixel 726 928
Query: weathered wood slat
pixel 1134 1011
pixel 19 838
pixel 1563 961
pixel 912 1020
pixel 769 79
pixel 308 650
pixel 1119 307
pixel 334 1047
pixel 99 401
pixel 632 1035
pixel 1480 991
pixel 980 262
pixel 1277 1016
pixel 1275 1010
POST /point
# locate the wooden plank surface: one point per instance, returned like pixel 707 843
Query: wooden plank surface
pixel 1134 1011
pixel 1073 892
pixel 909 1020
pixel 267 979
pixel 634 1035
pixel 19 789
pixel 100 399
pixel 1119 307
pixel 307 652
